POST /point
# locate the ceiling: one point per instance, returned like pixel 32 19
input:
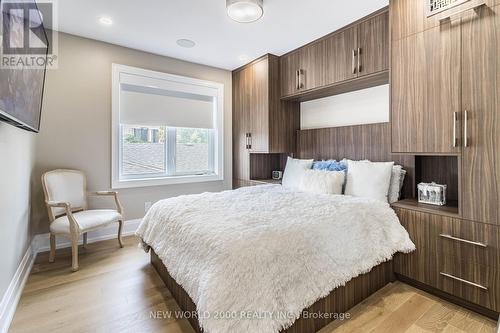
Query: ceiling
pixel 155 26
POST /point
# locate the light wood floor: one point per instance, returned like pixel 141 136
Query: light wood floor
pixel 116 289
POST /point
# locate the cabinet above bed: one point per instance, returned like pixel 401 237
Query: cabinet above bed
pixel 352 58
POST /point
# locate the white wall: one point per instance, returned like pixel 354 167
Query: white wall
pixel 366 106
pixel 16 166
pixel 76 121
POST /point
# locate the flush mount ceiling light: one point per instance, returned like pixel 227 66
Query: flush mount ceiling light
pixel 105 20
pixel 187 43
pixel 245 11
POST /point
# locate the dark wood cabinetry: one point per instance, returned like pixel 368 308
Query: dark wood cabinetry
pixel 289 65
pixel 481 115
pixel 359 50
pixel 303 69
pixel 425 91
pixel 456 256
pixel 262 123
pixel 445 100
pixel 409 17
pixel 312 66
pixel 445 97
pixel 341 55
pixel 241 94
pixel 373 45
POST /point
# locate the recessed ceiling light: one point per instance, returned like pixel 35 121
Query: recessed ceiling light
pixel 245 11
pixel 106 20
pixel 187 43
pixel 244 58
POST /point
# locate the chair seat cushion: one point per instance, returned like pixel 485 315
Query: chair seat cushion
pixel 87 219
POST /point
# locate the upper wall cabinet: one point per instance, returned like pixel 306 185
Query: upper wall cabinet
pixel 373 45
pixel 312 66
pixel 341 53
pixel 289 65
pixel 409 17
pixel 303 69
pixel 352 52
pixel 425 91
pixel 481 115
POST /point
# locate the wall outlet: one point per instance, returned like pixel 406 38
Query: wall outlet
pixel 147 205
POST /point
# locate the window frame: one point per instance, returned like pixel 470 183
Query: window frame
pixel 157 79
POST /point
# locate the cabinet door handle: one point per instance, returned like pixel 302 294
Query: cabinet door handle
pixel 359 60
pixel 464 281
pixel 455 118
pixel 353 61
pixel 297 79
pixel 249 140
pixel 463 240
pixel 300 75
pixel 466 123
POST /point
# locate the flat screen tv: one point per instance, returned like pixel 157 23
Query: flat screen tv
pixel 21 82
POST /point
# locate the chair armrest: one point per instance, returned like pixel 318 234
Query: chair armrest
pixel 119 206
pixel 58 204
pixel 97 193
pixel 73 225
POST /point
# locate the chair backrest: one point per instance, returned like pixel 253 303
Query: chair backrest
pixel 65 186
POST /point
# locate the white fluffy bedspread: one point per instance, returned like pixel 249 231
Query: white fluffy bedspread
pixel 268 251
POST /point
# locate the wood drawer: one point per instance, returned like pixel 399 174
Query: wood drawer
pixel 471 242
pixel 475 283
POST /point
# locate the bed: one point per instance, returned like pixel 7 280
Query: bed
pixel 254 259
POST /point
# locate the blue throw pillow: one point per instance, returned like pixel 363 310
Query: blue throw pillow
pixel 330 165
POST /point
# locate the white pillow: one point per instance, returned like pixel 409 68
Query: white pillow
pixel 368 179
pixel 294 171
pixel 397 180
pixel 322 181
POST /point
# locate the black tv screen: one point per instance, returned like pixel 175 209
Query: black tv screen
pixel 23 64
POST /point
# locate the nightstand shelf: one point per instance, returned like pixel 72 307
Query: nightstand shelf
pixel 267 181
pixel 450 209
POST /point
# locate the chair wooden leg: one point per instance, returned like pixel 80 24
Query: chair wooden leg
pixel 85 240
pixel 74 253
pixel 52 255
pixel 120 227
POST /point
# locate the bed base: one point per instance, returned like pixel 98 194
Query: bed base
pixel 339 300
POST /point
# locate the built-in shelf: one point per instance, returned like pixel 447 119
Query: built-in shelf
pixel 267 181
pixel 450 209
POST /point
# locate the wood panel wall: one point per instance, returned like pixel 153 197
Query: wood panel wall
pixel 262 165
pixel 441 170
pixel 372 142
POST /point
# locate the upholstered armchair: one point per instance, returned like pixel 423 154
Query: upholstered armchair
pixel 66 200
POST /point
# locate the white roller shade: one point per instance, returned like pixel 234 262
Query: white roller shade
pixel 158 107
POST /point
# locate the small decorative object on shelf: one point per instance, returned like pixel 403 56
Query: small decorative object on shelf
pixel 277 175
pixel 432 193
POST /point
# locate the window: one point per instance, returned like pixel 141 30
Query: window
pixel 166 129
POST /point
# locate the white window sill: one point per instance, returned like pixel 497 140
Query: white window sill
pixel 145 182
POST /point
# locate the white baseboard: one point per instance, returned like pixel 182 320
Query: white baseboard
pixel 40 243
pixel 11 297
